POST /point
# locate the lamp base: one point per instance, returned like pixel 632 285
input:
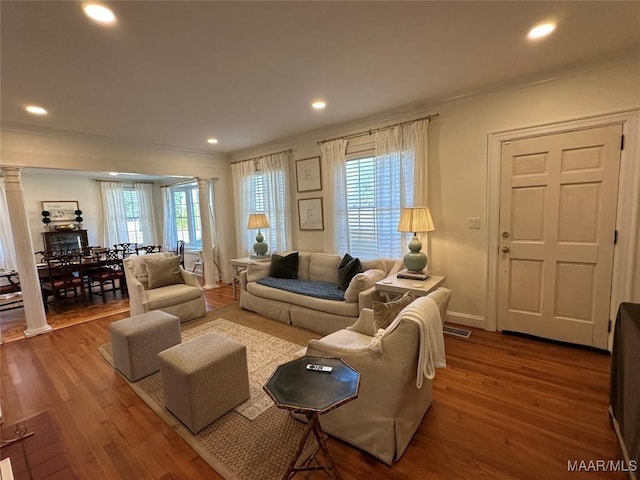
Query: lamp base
pixel 415 261
pixel 260 247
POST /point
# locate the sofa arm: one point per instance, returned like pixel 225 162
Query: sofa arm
pixel 190 278
pixel 367 297
pixel 137 297
pixel 364 324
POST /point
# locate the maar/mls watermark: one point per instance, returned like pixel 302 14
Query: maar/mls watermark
pixel 600 465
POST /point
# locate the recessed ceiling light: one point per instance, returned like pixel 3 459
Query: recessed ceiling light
pixel 541 30
pixel 99 13
pixel 113 174
pixel 35 110
pixel 212 141
pixel 319 104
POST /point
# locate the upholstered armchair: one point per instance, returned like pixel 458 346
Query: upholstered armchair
pixel 157 282
pixel 390 406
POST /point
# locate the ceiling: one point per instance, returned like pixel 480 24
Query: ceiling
pixel 173 73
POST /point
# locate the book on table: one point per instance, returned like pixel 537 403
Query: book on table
pixel 422 275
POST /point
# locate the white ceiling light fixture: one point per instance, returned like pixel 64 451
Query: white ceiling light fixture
pixel 99 13
pixel 113 174
pixel 212 141
pixel 541 30
pixel 319 104
pixel 36 110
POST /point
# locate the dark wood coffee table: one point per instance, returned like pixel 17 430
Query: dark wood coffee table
pixel 312 393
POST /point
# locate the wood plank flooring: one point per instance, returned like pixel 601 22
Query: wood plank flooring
pixel 504 408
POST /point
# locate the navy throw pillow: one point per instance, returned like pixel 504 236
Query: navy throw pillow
pixel 284 267
pixel 349 267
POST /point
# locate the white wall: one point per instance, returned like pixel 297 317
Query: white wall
pixel 458 165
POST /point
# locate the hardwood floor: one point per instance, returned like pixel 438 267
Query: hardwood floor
pixel 504 408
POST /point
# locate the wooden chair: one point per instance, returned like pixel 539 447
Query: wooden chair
pixel 65 280
pixel 180 251
pixel 106 271
pixel 143 250
pixel 126 249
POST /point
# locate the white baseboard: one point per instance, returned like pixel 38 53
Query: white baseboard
pixel 465 319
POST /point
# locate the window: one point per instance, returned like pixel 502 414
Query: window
pixel 186 208
pixel 132 215
pixel 377 188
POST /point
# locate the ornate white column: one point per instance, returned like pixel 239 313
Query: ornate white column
pixel 25 261
pixel 207 241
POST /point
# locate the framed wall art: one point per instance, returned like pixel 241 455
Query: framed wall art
pixel 62 210
pixel 310 214
pixel 308 174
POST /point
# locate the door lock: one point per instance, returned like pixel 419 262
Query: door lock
pixel 505 235
pixel 506 249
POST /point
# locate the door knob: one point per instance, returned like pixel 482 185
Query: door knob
pixel 505 235
pixel 506 249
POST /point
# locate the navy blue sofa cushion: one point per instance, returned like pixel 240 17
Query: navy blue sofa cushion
pixel 311 288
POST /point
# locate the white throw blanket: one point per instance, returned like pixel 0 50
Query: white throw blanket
pixel 427 315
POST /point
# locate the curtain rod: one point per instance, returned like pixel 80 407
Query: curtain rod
pixel 266 155
pixel 122 181
pixel 181 182
pixel 374 130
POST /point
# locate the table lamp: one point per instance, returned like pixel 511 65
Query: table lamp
pixel 415 219
pixel 259 220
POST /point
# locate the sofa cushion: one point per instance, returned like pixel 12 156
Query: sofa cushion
pixel 349 267
pixel 320 304
pixel 284 267
pixel 171 295
pixel 312 288
pixel 303 265
pixel 361 282
pixel 324 267
pixel 257 270
pixel 138 267
pixel 377 264
pixel 163 271
pixel 385 313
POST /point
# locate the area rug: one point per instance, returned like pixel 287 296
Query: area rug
pixel 236 447
pixel 264 353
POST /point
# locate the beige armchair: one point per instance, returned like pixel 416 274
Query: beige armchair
pixel 389 407
pixel 157 282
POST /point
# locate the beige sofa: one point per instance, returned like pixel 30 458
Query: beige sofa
pixel 317 314
pixel 183 297
pixel 390 406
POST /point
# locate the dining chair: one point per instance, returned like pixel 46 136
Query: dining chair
pixel 106 270
pixel 145 249
pixel 180 251
pixel 65 280
pixel 126 248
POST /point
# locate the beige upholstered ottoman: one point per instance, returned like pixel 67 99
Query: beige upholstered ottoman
pixel 137 340
pixel 204 378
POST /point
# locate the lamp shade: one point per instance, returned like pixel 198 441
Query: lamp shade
pixel 416 219
pixel 257 220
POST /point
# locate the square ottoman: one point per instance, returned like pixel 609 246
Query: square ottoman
pixel 137 340
pixel 204 378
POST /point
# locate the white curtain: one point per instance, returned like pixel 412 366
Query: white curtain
pixel 114 221
pixel 169 231
pixel 260 186
pixel 336 231
pixel 402 168
pixel 147 213
pixel 7 252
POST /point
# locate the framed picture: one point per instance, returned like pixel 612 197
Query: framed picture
pixel 308 175
pixel 61 211
pixel 310 214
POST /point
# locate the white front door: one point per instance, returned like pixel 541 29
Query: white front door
pixel 557 223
